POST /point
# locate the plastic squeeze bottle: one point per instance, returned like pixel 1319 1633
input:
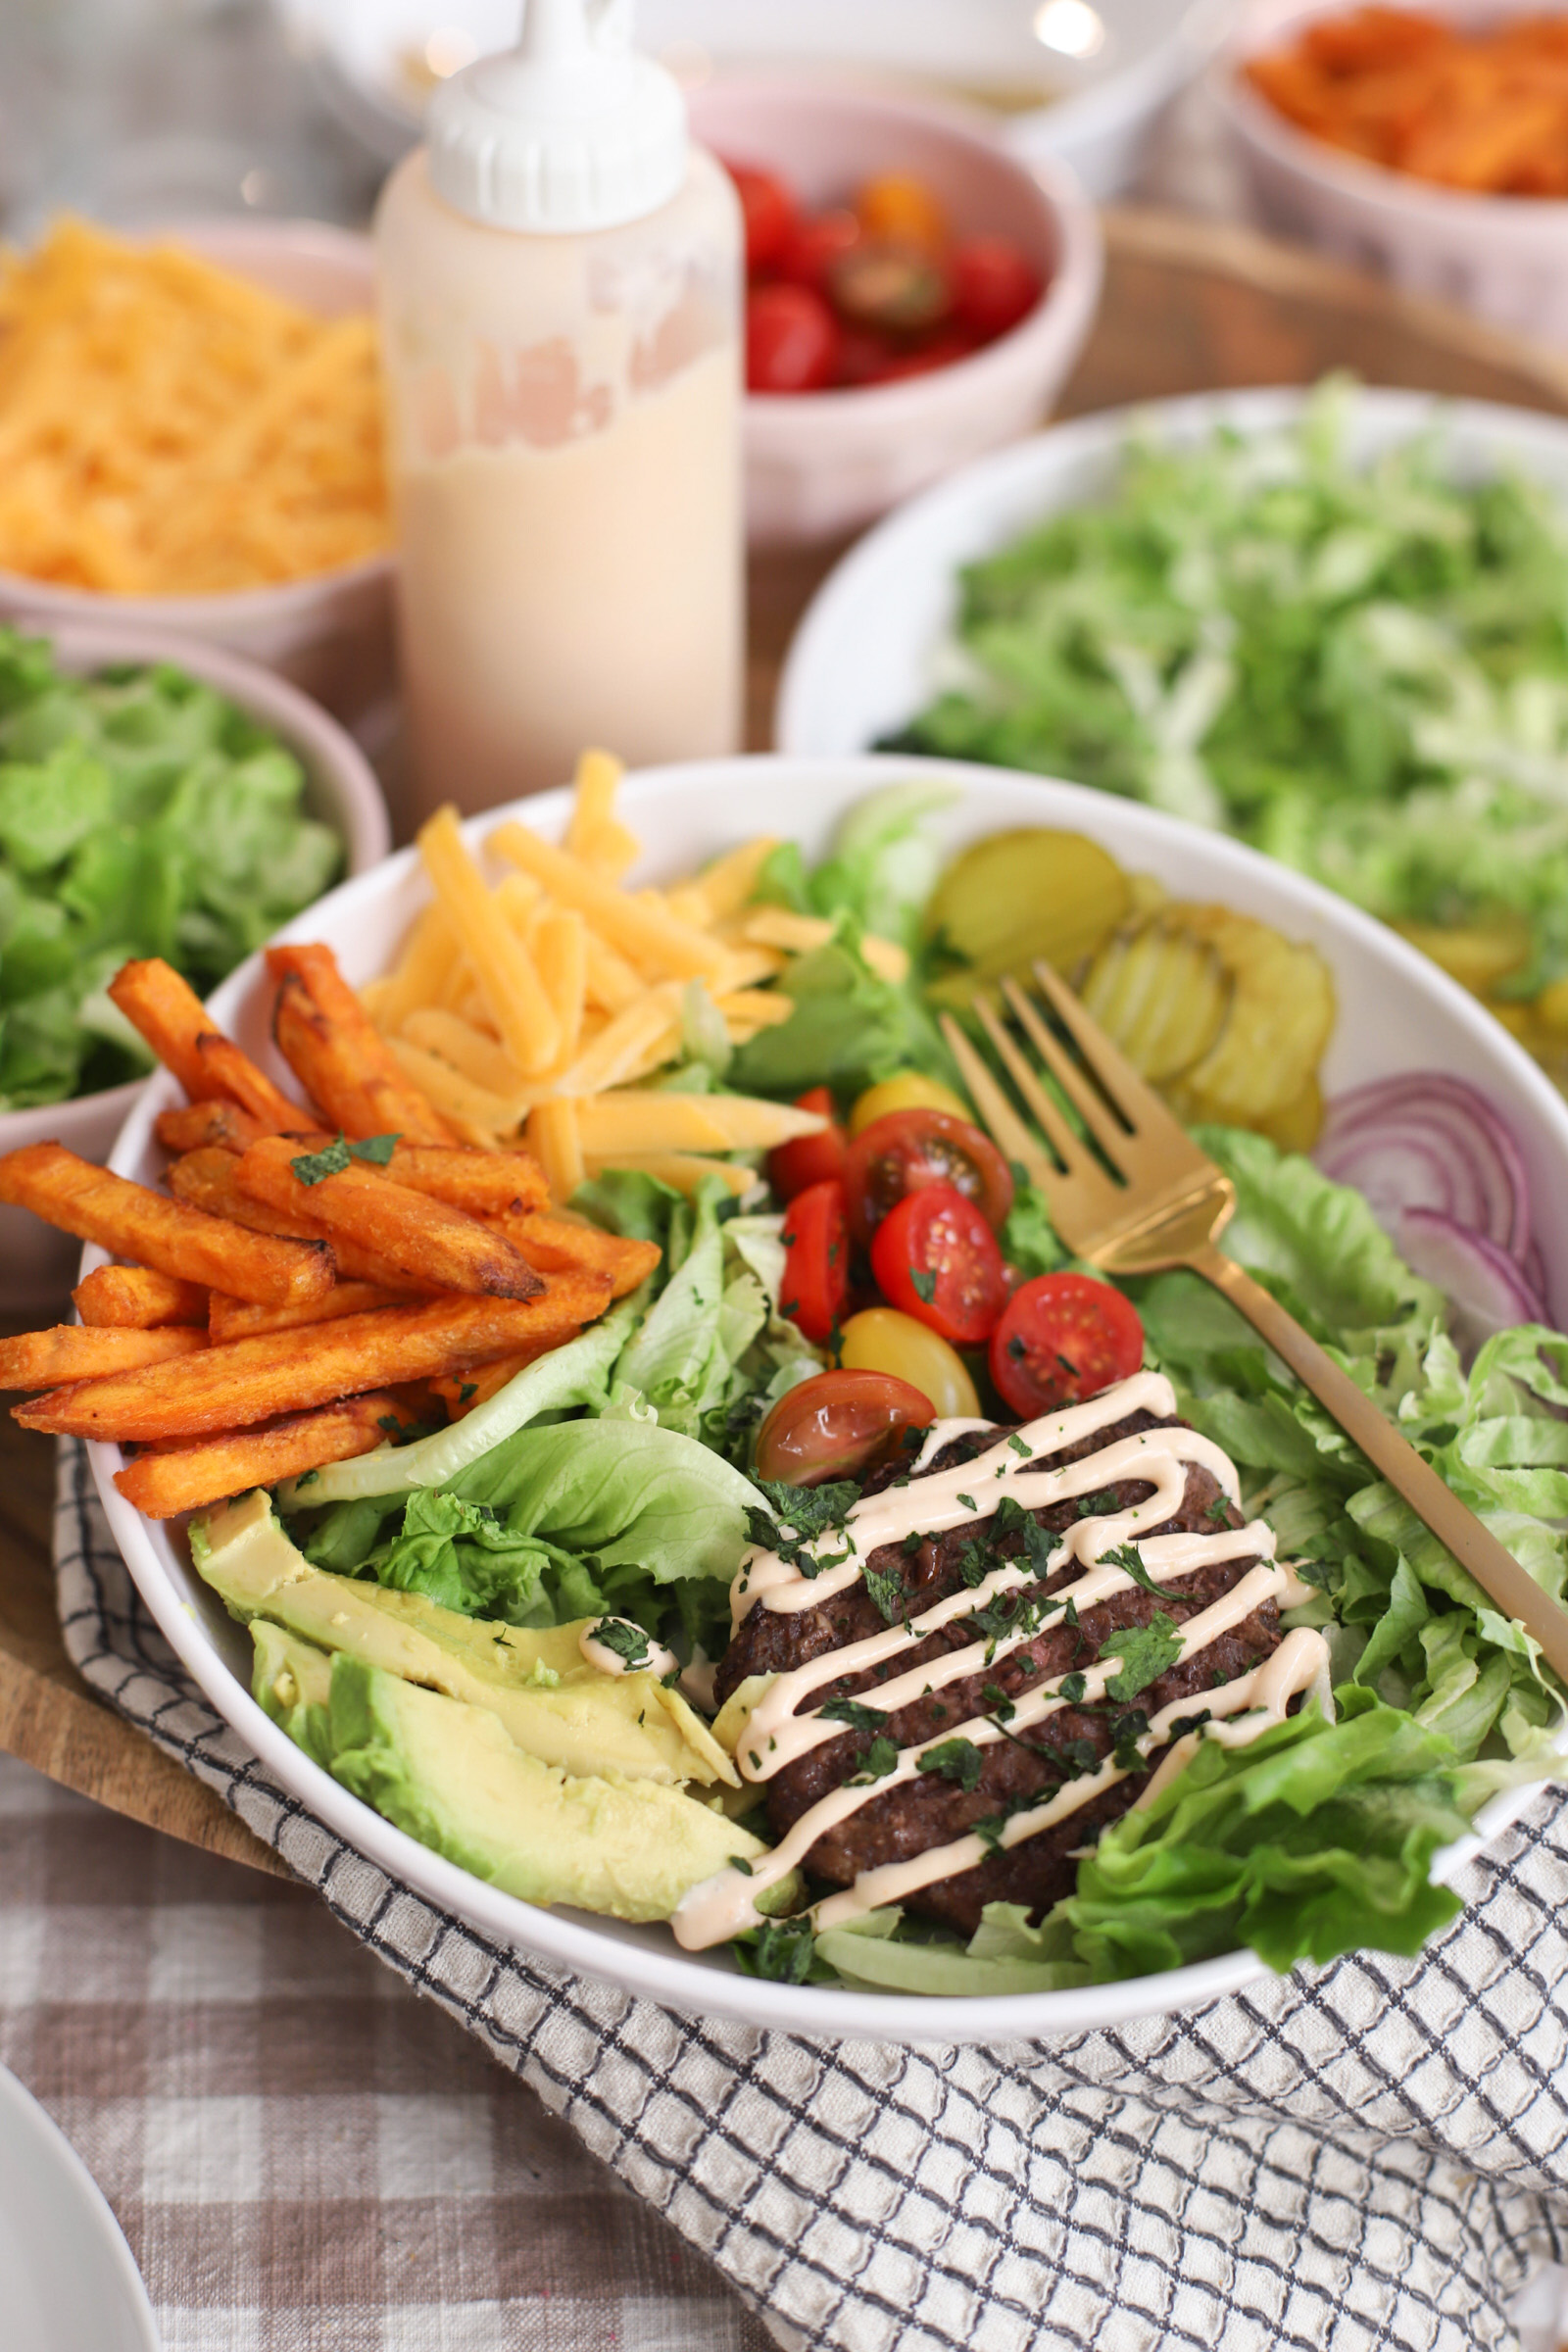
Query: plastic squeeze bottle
pixel 560 290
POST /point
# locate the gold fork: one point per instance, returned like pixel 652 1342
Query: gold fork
pixel 1165 1205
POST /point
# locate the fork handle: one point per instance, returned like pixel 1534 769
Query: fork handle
pixel 1455 1526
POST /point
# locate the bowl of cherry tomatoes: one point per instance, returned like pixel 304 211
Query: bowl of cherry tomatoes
pixel 915 296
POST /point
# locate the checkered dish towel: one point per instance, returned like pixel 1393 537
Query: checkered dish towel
pixel 1371 2155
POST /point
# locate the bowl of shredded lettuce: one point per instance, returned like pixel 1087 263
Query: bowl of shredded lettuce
pixel 157 798
pixel 1331 623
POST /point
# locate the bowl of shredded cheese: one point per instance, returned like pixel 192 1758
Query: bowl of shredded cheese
pixel 190 439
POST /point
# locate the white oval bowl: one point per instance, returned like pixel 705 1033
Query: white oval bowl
pixel 821 464
pixel 867 656
pixel 330 633
pixel 1505 258
pixel 692 812
pixel 36 1263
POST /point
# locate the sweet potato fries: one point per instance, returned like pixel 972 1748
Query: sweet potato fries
pixel 327 1274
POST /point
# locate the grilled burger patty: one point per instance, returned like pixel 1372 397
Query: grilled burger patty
pixel 933 1810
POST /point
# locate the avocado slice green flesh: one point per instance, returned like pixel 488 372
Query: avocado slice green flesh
pixel 448 1774
pixel 552 1702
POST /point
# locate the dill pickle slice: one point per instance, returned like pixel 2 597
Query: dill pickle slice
pixel 1281 1016
pixel 1476 954
pixel 1296 1127
pixel 1017 897
pixel 1159 994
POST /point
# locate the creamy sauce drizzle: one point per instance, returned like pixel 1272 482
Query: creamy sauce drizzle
pixel 778 1732
pixel 657 1659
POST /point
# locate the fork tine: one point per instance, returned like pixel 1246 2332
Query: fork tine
pixel 1061 1136
pixel 1096 1114
pixel 1001 1121
pixel 1132 1095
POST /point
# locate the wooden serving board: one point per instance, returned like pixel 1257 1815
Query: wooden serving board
pixel 1189 306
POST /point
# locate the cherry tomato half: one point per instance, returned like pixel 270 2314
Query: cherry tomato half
pixel 1062 1338
pixel 893 289
pixel 994 286
pixel 898 206
pixel 811 1159
pixel 907 1148
pixel 881 1340
pixel 769 212
pixel 816 1259
pixel 792 340
pixel 936 1258
pixel 838 1425
pixel 815 246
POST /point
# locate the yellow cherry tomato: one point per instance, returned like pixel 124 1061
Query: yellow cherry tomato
pixel 902 208
pixel 908 1092
pixel 881 1340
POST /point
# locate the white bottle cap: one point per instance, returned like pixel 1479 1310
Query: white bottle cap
pixel 567 132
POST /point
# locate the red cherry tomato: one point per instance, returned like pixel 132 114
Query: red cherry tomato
pixel 994 286
pixel 838 1425
pixel 816 1259
pixel 862 356
pixel 1062 1338
pixel 936 1258
pixel 769 212
pixel 792 340
pixel 811 1159
pixel 815 246
pixel 904 1149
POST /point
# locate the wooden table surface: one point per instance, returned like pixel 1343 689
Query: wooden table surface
pixel 1189 306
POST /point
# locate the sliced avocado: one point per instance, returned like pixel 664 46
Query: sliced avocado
pixel 292 1680
pixel 448 1774
pixel 582 1720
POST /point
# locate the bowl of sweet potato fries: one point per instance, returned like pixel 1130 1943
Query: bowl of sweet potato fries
pixel 1430 142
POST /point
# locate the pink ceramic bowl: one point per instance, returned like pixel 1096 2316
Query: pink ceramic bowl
pixel 330 635
pixel 1505 258
pixel 820 465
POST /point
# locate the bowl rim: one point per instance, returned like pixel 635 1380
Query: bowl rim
pixel 1022 467
pixel 1379 186
pixel 1050 185
pixel 574 1941
pixel 309 731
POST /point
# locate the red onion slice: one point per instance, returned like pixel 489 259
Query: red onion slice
pixel 1484 1284
pixel 1389 1137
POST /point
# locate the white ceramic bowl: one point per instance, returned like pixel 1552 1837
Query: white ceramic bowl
pixel 37 1263
pixel 821 464
pixel 1105 76
pixel 870 651
pixel 691 813
pixel 330 634
pixel 1504 258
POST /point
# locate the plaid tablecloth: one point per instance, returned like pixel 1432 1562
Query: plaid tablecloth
pixel 1372 2155
pixel 304 2156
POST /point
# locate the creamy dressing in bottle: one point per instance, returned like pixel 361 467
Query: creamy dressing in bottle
pixel 559 283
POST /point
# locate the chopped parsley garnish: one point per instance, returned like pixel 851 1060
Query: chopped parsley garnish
pixel 1145 1652
pixel 314 1167
pixel 887 1594
pixel 669 1679
pixel 1219 1511
pixel 990 1831
pixel 1125 1556
pixel 624 1640
pixel 876 1762
pixel 997 1699
pixel 925 1285
pixel 1072 1758
pixel 740 1863
pixel 859 1717
pixel 1125 1734
pixel 465 1390
pixel 956 1760
pixel 1011 1516
pixel 976 1562
pixel 1072 1687
pixel 808 1512
pixel 1097 1506
pixel 1190 1723
pixel 1021 1445
pixel 911 1543
pixel 780 1949
pixel 968 1501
